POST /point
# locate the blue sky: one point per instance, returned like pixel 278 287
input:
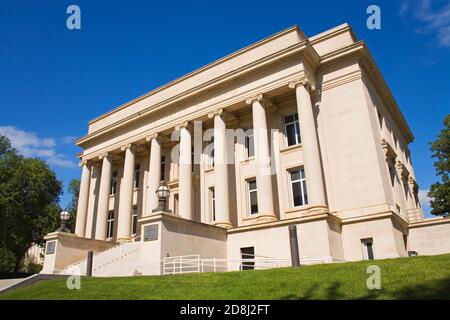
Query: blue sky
pixel 54 80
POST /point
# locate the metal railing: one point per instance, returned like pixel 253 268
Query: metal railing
pixel 193 264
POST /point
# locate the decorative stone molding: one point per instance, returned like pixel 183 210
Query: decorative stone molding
pixel 155 136
pixel 130 146
pixel 259 97
pixel 303 81
pixel 184 124
pixel 105 155
pixel 217 112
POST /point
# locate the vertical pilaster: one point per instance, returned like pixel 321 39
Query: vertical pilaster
pixel 103 197
pixel 185 172
pixel 310 143
pixel 222 199
pixel 262 158
pixel 154 174
pixel 126 195
pixel 83 199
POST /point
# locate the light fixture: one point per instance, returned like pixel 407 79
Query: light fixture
pixel 65 216
pixel 162 193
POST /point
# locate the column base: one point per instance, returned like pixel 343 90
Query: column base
pixel 223 224
pixel 124 239
pixel 266 217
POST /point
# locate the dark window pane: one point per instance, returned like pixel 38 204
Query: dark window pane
pixel 297 194
pixel 304 192
pixel 253 203
pixel 295 175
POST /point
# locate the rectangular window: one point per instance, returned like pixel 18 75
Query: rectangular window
pixel 175 203
pixel 298 187
pixel 163 167
pixel 113 183
pixel 212 204
pixel 248 258
pixel 134 219
pixel 367 247
pixel 252 197
pixel 250 143
pixel 110 227
pixel 137 175
pixel 292 128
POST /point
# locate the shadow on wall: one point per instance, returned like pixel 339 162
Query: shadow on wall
pixel 436 289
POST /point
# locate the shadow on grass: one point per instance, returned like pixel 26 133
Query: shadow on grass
pixel 430 290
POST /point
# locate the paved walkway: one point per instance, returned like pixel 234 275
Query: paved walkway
pixel 9 282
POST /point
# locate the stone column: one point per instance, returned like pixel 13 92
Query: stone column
pixel 262 158
pixel 154 174
pixel 83 199
pixel 185 172
pixel 222 201
pixel 103 197
pixel 126 195
pixel 310 144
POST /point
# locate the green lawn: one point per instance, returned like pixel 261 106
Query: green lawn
pixel 405 278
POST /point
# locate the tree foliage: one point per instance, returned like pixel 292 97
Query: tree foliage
pixel 440 191
pixel 74 189
pixel 29 195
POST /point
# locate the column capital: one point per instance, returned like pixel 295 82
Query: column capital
pixel 105 155
pixel 130 146
pixel 217 112
pixel 183 125
pixel 84 162
pixel 256 98
pixel 152 136
pixel 303 81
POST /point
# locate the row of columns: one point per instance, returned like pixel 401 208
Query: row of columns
pixel 312 167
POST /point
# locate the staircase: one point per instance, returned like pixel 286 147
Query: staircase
pixel 121 260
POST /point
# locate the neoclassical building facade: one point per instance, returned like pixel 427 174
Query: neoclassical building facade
pixel 289 131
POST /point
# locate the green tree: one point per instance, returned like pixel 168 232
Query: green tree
pixel 74 189
pixel 440 191
pixel 29 196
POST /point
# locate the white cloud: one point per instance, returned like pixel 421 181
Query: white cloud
pixel 434 20
pixel 30 145
pixel 69 139
pixel 424 199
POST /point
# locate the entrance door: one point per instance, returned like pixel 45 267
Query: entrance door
pixel 248 258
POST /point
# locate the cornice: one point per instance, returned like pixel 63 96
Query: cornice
pixel 302 49
pixel 208 66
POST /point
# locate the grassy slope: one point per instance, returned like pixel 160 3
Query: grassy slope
pixel 405 278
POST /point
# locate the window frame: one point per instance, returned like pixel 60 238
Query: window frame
pixel 249 136
pixel 110 225
pixel 298 137
pixel 301 180
pixel 212 203
pixel 113 186
pixel 137 176
pixel 249 199
pixel 134 214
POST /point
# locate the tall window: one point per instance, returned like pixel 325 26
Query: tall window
pixel 134 218
pixel 176 203
pixel 367 248
pixel 163 167
pixel 252 196
pixel 113 183
pixel 250 143
pixel 298 187
pixel 137 175
pixel 292 128
pixel 110 228
pixel 212 203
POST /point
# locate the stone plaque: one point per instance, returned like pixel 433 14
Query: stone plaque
pixel 151 232
pixel 50 247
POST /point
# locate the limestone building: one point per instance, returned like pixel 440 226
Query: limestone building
pixel 291 130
